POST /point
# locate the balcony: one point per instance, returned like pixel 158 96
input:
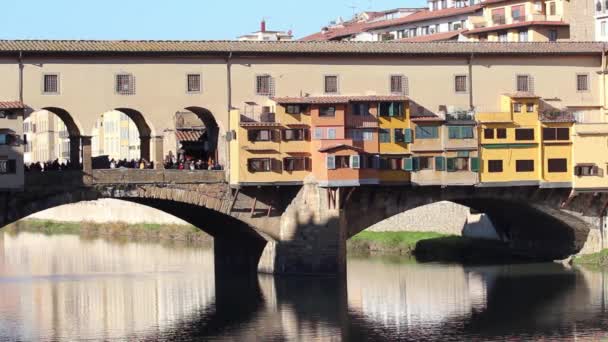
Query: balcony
pixel 254 115
pixel 461 116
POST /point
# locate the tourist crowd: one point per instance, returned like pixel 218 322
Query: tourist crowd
pixel 54 165
pixel 132 164
pixel 188 163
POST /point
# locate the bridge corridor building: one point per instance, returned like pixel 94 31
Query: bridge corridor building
pixel 312 134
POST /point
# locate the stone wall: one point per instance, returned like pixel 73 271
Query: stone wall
pixel 106 211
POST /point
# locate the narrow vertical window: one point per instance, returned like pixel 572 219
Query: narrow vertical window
pixel 582 82
pixel 263 85
pixel 460 83
pixel 523 83
pixel 331 84
pixel 194 83
pixel 399 85
pixel 50 84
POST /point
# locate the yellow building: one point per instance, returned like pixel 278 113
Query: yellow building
pixel 395 137
pixel 270 144
pixel 510 142
pixel 556 151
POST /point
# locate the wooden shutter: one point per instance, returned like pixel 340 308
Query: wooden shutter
pixel 408 135
pixel 408 164
pixel 440 163
pixel 451 164
pixel 308 164
pixel 416 164
pixel 275 165
pixel 275 135
pixel 475 164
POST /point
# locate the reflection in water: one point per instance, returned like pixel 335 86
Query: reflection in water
pixel 63 287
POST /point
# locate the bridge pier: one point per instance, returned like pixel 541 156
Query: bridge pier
pixel 87 155
pixel 75 151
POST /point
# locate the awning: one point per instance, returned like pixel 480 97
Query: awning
pixel 189 135
pixel 11 105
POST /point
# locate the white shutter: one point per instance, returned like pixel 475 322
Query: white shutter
pixel 331 162
pixel 355 162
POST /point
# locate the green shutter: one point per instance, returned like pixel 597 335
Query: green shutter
pixel 440 163
pixel 408 135
pixel 391 109
pixel 408 164
pixel 416 164
pixel 475 164
pixel 454 132
pixel 451 164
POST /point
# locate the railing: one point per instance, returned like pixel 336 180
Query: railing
pixel 460 116
pixel 258 117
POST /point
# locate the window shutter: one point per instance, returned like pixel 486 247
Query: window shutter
pixel 355 162
pixel 451 162
pixel 275 165
pixel 408 164
pixel 275 135
pixel 12 166
pixel 331 162
pixel 440 163
pixel 250 135
pixel 308 163
pixel 530 84
pixel 416 164
pixel 475 164
pixel 408 135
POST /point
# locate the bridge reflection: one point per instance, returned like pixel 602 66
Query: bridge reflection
pixel 62 287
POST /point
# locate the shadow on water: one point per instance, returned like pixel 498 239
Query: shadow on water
pixel 527 301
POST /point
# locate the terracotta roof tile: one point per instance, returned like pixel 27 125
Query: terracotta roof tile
pixel 292 47
pixel 434 37
pixel 338 99
pixel 427 118
pixel 11 105
pixel 426 15
pixel 340 146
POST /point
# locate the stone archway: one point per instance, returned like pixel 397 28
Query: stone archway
pixel 74 134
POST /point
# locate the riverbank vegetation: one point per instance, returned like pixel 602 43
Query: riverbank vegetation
pixel 599 259
pixel 429 246
pixel 148 231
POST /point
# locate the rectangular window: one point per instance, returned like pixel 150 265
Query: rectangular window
pixel 331 84
pixel 360 109
pixel 582 82
pixel 390 109
pixel 523 36
pixel 368 135
pixel 51 84
pixel 355 162
pixel 319 133
pixel 501 133
pixel 425 163
pixel 523 83
pixel 582 170
pixel 295 164
pixel 552 8
pixel 294 109
pixel 558 165
pixel 294 134
pixel 399 135
pixel 488 133
pixel 259 165
pixel 327 111
pixel 517 108
pixel 503 36
pixel 458 164
pixel 259 135
pixel 342 162
pixel 8 166
pixel 330 162
pixel 460 132
pixel 398 84
pixel 356 135
pixel 427 132
pixel 384 135
pixel 524 165
pixel 494 166
pixel 125 84
pixel 556 134
pixel 518 13
pixel 530 107
pixel 331 133
pixel 524 134
pixel 460 83
pixel 263 85
pixel 194 83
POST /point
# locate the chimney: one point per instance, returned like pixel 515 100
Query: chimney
pixel 263 26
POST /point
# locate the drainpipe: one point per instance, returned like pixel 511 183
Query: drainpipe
pixel 229 99
pixel 471 105
pixel 604 76
pixel 20 76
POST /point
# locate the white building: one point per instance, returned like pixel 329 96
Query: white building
pixel 601 20
pixel 265 35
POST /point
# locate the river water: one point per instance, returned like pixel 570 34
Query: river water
pixel 65 287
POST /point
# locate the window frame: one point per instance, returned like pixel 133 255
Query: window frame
pixel 266 169
pixel 587 84
pixel 132 85
pixel 523 165
pixel 249 135
pixel 325 77
pixel 303 160
pixel 521 130
pixel 551 169
pixel 495 166
pixel 257 84
pixel 200 83
pixel 435 134
pixel 43 86
pixel 403 82
pixel 326 107
pixel 527 83
pixel 466 84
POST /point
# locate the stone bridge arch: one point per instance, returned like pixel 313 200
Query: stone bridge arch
pixel 73 127
pixel 551 222
pixel 143 127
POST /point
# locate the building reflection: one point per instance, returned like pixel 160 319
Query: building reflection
pixel 61 286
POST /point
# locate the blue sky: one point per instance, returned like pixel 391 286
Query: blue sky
pixel 173 19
